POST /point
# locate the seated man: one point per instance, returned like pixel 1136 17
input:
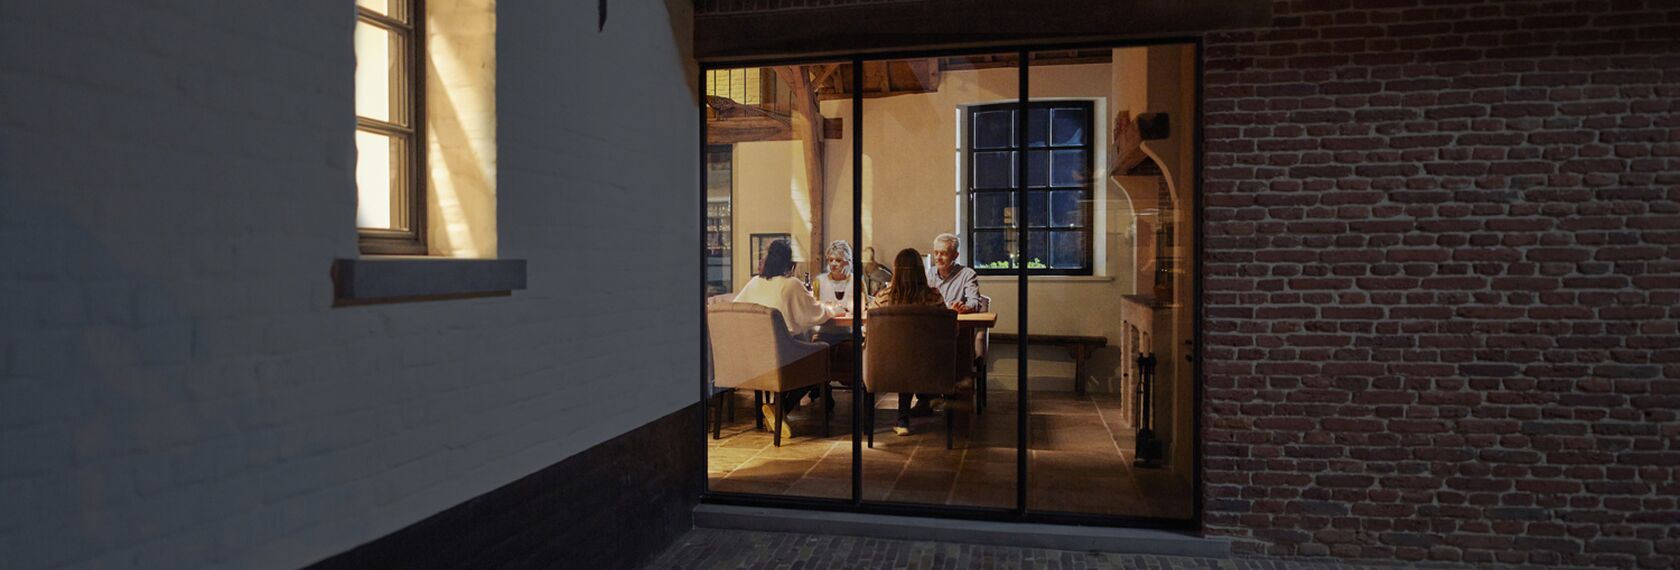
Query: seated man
pixel 959 285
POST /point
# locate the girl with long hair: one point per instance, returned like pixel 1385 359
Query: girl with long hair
pixel 909 286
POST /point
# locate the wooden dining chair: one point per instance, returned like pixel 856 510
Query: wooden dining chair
pixel 753 350
pixel 911 349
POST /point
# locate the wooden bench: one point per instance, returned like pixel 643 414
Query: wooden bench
pixel 1078 346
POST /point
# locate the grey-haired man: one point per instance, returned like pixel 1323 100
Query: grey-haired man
pixel 959 285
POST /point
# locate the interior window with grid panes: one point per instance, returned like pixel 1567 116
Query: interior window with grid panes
pixel 1057 181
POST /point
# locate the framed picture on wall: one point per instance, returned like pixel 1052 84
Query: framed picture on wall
pixel 760 244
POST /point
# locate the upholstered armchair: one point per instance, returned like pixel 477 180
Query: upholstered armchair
pixel 753 350
pixel 911 349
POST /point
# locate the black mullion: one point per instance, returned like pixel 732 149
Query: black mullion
pixel 705 260
pixel 857 272
pixel 1022 389
pixel 968 165
pixel 1198 312
pixel 1089 196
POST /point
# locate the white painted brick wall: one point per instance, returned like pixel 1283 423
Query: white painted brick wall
pixel 175 181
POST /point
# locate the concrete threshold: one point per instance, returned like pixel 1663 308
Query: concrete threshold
pixel 1029 535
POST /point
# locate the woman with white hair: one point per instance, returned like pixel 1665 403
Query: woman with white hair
pixel 836 288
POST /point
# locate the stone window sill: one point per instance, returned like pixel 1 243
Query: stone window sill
pixel 401 279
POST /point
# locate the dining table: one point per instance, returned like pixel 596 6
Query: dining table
pixel 968 322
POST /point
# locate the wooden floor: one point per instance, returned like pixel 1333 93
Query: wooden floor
pixel 1080 458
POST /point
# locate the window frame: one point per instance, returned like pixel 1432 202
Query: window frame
pixel 1018 188
pixel 409 187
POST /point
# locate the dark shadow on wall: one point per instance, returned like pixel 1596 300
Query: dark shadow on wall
pixel 99 387
pixel 681 14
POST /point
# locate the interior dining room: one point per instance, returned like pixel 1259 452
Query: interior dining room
pixel 1046 196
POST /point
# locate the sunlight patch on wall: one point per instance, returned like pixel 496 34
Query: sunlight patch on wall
pixel 461 128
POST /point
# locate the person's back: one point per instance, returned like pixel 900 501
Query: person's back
pixel 775 287
pixel 799 309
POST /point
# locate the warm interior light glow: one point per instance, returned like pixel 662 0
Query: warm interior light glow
pixel 381 6
pixel 461 128
pixel 740 85
pixel 374 71
pixel 374 154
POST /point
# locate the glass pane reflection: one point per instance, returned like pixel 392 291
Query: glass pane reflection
pixel 1085 410
pixel 931 442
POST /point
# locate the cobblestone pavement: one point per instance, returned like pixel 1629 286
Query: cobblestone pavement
pixel 719 549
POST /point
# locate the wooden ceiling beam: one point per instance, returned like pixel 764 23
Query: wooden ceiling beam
pixel 807 122
pixel 747 129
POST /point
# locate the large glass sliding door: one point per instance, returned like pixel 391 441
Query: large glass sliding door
pixel 944 433
pixel 1107 221
pixel 779 256
pixel 1035 361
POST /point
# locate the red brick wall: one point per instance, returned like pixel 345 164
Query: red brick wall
pixel 1442 281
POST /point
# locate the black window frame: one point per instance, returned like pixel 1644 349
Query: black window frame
pixel 406 18
pixel 1087 202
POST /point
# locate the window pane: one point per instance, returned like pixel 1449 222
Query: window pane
pixel 378 66
pixel 748 212
pixel 1038 250
pixel 1067 127
pixel 376 180
pixel 1037 129
pixel 719 219
pixel 1066 210
pixel 1036 209
pixel 992 129
pixel 381 6
pixel 993 169
pixel 1067 168
pixel 1067 250
pixel 991 249
pixel 993 209
pixel 1038 168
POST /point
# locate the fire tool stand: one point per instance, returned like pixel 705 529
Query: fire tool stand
pixel 1148 446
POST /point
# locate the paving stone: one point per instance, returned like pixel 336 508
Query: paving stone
pixel 710 549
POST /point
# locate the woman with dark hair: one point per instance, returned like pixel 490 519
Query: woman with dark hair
pixel 909 286
pixel 775 287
